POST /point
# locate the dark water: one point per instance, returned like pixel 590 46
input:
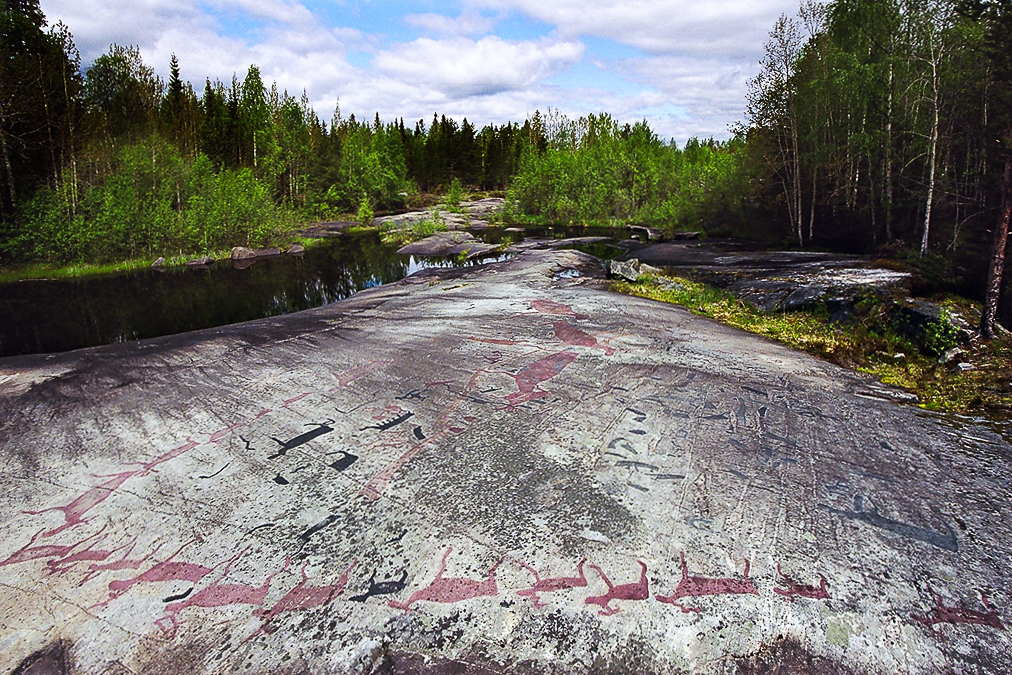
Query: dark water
pixel 53 316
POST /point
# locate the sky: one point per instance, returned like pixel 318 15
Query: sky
pixel 682 65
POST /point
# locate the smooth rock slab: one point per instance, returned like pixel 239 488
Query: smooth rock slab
pixel 490 469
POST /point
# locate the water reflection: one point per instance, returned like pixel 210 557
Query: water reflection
pixel 52 316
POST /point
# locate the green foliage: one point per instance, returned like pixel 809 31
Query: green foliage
pixel 597 172
pixel 454 196
pixel 154 202
pixel 365 212
pixel 940 335
pixel 868 343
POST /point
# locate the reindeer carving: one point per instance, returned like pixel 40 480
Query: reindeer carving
pixel 697 586
pixel 942 614
pixel 804 590
pixel 639 590
pixel 219 595
pixel 552 584
pixel 452 589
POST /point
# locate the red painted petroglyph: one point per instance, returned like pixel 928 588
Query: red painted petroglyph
pixel 378 483
pixel 295 399
pixel 29 552
pixel 166 570
pixel 638 590
pixel 347 377
pixel 804 590
pixel 124 563
pixel 89 554
pixel 550 307
pixel 265 411
pixel 453 589
pixel 955 615
pixel 73 512
pixel 219 595
pixel 698 586
pixel 535 373
pixel 571 335
pixel 299 599
pixel 553 584
pixel 221 433
pixel 387 412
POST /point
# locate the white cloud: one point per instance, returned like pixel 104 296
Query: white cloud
pixel 468 23
pixel 684 66
pixel 658 26
pixel 463 67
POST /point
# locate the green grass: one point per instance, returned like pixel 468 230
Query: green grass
pixel 867 344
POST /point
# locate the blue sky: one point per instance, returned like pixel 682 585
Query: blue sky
pixel 683 65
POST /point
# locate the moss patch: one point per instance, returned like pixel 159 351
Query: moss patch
pixel 867 343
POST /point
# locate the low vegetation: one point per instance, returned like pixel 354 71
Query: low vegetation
pixel 867 341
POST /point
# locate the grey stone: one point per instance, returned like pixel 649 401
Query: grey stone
pixel 950 355
pixel 487 470
pixel 159 262
pixel 242 253
pixel 453 243
pixel 963 366
pixel 202 261
pixel 296 249
pixel 624 269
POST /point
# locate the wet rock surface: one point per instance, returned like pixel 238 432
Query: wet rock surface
pixel 491 469
pixel 471 215
pixel 451 243
pixel 778 280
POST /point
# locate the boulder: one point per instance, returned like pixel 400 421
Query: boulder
pixel 243 253
pixel 296 249
pixel 648 233
pixel 950 355
pixel 624 269
pixel 202 261
pixel 454 243
pixel 159 262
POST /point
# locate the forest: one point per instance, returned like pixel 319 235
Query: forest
pixel 875 126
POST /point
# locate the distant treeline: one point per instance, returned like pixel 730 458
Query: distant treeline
pixel 887 124
pixel 872 125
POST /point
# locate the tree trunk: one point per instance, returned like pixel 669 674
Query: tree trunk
pixel 10 172
pixel 932 159
pixel 997 266
pixel 889 161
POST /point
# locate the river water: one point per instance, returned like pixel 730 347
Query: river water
pixel 42 316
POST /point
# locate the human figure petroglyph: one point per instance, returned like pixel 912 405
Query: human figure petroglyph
pixel 638 590
pixel 453 589
pixel 696 586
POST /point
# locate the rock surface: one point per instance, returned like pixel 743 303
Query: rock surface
pixel 778 280
pixel 472 215
pixel 491 469
pixel 453 243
